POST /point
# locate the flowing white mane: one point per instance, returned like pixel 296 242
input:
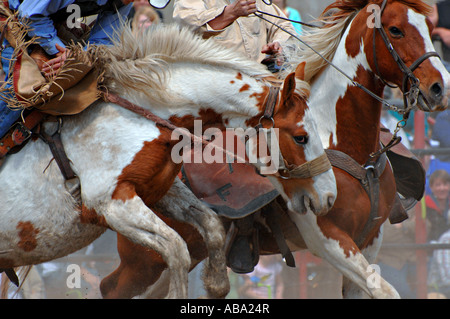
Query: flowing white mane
pixel 324 40
pixel 140 61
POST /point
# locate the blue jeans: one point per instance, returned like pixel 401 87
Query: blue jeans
pixel 7 116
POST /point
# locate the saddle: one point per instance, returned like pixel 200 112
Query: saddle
pixel 235 191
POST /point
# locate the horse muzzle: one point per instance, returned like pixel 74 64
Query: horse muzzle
pixel 435 98
pixel 320 207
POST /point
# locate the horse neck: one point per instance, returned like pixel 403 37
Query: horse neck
pixel 349 117
pixel 224 98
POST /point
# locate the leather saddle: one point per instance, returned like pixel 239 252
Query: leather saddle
pixel 233 189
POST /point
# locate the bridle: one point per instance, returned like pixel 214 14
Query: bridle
pixel 306 170
pixel 309 169
pixel 410 97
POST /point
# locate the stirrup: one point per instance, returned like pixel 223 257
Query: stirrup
pixel 242 250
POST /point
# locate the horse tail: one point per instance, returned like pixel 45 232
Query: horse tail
pixel 5 282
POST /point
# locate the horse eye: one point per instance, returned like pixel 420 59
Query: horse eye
pixel 395 32
pixel 302 139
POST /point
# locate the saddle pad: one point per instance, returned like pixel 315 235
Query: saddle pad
pixel 233 190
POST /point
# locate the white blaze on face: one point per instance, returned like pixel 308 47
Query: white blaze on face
pixel 325 183
pixel 419 22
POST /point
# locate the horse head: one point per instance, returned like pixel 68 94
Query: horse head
pixel 399 49
pixel 305 178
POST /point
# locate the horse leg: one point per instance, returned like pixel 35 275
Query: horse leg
pixel 140 268
pixel 132 277
pixel 329 242
pixel 181 204
pixel 134 220
pixel 349 288
pixel 159 289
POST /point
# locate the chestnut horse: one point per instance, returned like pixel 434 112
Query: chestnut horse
pixel 350 235
pixel 125 162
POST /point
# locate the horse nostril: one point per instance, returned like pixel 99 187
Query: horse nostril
pixel 331 200
pixel 437 90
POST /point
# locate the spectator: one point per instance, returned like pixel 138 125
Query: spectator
pixel 144 17
pixel 440 139
pixel 265 281
pixel 139 4
pixel 441 21
pixel 398 266
pixel 291 14
pixel 439 277
pixel 441 133
pixel 437 204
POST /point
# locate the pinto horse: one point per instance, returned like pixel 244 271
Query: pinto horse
pixel 350 235
pixel 124 160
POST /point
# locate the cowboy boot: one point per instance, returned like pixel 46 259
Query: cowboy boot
pixel 243 255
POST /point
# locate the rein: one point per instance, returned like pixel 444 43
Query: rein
pixel 410 97
pixel 357 84
pixel 309 169
pixel 287 19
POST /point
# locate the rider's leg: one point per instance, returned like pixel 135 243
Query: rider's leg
pixel 7 116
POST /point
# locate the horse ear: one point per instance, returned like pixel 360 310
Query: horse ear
pixel 300 71
pixel 288 86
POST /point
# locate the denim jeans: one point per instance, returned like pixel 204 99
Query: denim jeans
pixel 7 118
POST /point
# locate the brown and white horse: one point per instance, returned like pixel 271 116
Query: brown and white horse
pixel 349 122
pixel 125 163
pixel 349 236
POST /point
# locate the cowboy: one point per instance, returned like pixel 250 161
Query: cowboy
pixel 235 25
pixel 43 17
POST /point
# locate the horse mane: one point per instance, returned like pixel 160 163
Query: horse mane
pixel 325 40
pixel 352 5
pixel 139 61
